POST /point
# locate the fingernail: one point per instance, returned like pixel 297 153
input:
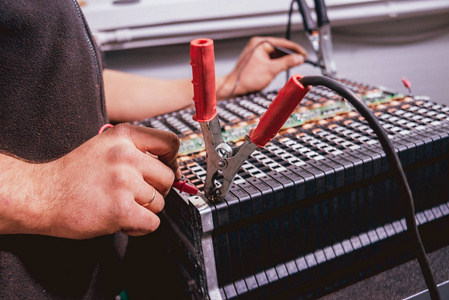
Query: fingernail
pixel 178 174
pixel 298 59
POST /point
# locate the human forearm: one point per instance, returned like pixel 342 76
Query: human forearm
pixel 22 210
pixel 131 97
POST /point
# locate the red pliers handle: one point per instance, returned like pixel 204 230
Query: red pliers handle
pixel 223 159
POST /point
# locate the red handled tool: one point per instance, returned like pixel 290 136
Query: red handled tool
pixel 223 159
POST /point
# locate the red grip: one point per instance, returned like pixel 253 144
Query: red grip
pixel 279 111
pixel 203 70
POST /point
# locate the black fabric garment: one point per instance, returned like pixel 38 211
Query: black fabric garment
pixel 50 90
pixel 51 101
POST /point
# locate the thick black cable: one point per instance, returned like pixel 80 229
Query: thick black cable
pixel 288 31
pixel 405 193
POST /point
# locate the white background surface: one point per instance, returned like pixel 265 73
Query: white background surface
pixel 378 53
pixel 159 22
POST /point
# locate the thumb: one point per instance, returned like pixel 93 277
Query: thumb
pixel 286 62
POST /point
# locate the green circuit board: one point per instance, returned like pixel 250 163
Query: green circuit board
pixel 299 117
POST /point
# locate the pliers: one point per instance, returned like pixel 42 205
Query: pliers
pixel 223 159
pixel 319 34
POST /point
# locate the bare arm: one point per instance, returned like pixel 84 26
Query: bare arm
pixel 20 209
pixel 101 187
pixel 130 97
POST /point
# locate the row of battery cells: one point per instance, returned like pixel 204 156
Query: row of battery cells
pixel 259 163
pixel 320 94
pixel 328 142
pixel 399 125
pixel 180 124
pixel 249 108
pixel 262 101
pixel 412 116
pixel 234 111
pixel 434 110
pixel 342 137
pixel 362 132
pixel 351 137
pixel 239 111
pixel 308 147
pixel 194 173
pixel 355 86
pixel 256 108
pixel 303 147
pixel 242 109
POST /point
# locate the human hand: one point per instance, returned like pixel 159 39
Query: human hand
pixel 107 184
pixel 257 66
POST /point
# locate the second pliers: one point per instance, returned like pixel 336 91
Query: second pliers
pixel 318 33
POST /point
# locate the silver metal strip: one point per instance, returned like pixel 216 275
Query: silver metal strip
pixel 207 225
pixel 424 295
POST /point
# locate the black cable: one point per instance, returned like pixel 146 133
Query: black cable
pixel 288 32
pixel 395 167
pixel 314 63
pixel 289 23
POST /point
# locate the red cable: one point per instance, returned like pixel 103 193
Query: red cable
pixel 104 127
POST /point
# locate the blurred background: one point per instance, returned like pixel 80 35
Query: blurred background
pixel 375 41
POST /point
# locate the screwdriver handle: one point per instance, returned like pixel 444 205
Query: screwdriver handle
pixel 202 60
pixel 279 111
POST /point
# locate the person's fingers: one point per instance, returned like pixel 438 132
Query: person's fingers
pixel 287 44
pixel 148 196
pixel 155 202
pixel 142 228
pixel 178 174
pixel 163 144
pixel 135 219
pixel 286 62
pixel 267 47
pixel 156 173
pixel 281 63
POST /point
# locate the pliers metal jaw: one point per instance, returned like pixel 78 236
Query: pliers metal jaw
pixel 319 35
pixel 223 160
pixel 325 51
